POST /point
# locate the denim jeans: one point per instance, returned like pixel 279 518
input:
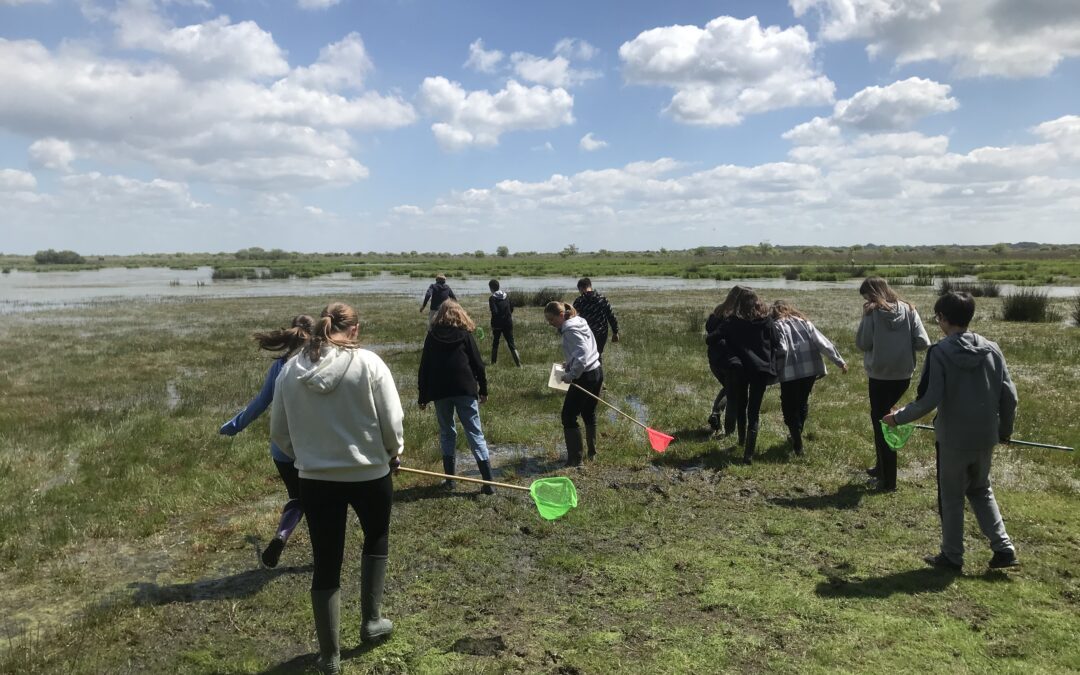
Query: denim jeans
pixel 468 411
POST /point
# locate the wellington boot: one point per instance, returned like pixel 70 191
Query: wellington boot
pixel 326 606
pixel 751 443
pixel 448 469
pixel 573 446
pixel 494 354
pixel 485 473
pixel 373 626
pixel 517 357
pixel 590 440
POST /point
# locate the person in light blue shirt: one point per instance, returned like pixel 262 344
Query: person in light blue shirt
pixel 287 341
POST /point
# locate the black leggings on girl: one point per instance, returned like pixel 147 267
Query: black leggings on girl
pixel 577 402
pixel 326 506
pixel 884 394
pixel 745 392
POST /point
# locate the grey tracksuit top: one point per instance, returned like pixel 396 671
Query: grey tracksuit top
pixel 969 384
pixel 889 340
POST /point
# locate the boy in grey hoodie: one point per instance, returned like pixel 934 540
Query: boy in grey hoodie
pixel 968 383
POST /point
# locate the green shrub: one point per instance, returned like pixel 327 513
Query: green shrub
pixel 978 289
pixel 1028 305
pixel 924 276
pixel 792 273
pixel 1076 310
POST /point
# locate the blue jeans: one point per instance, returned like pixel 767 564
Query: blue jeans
pixel 468 411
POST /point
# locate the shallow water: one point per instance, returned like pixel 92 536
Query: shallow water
pixel 31 291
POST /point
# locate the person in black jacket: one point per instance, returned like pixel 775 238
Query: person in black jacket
pixel 597 312
pixel 502 322
pixel 438 293
pixel 720 360
pixel 751 339
pixel 452 375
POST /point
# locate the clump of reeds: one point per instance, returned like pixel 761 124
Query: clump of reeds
pixel 978 289
pixel 1076 310
pixel 1028 305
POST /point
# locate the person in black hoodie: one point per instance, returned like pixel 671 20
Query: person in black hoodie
pixel 452 375
pixel 720 362
pixel 502 322
pixel 751 339
pixel 438 293
pixel 597 312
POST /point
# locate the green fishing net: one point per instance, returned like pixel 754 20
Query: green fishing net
pixel 553 496
pixel 896 437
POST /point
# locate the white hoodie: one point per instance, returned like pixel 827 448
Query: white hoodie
pixel 340 418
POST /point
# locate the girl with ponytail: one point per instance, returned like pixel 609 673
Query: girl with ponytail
pixel 582 367
pixel 286 342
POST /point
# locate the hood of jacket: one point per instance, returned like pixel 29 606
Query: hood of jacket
pixel 324 377
pixel 966 350
pixel 449 335
pixel 499 295
pixel 895 318
pixel 575 324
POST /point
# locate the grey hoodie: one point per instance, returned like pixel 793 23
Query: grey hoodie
pixel 340 418
pixel 579 348
pixel 889 340
pixel 969 384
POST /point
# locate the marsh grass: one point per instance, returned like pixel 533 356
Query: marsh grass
pixel 134 528
pixel 978 289
pixel 1028 306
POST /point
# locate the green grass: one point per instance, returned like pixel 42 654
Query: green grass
pixel 132 528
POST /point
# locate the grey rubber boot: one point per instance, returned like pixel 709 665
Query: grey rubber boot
pixel 485 473
pixel 373 626
pixel 573 445
pixel 326 606
pixel 590 440
pixel 448 468
pixel 517 358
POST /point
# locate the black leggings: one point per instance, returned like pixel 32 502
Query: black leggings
pixel 745 392
pixel 795 402
pixel 578 402
pixel 290 476
pixel 884 394
pixel 326 505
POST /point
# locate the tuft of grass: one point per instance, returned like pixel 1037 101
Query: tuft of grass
pixel 977 289
pixel 1076 310
pixel 1028 305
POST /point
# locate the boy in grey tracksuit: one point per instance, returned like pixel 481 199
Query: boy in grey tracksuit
pixel 968 383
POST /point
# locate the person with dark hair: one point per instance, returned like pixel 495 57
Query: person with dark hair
pixel 502 322
pixel 889 336
pixel 799 364
pixel 452 375
pixel 582 367
pixel 286 341
pixel 968 384
pixel 597 312
pixel 337 413
pixel 721 362
pixel 750 337
pixel 438 293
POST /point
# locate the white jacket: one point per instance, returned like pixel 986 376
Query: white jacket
pixel 340 418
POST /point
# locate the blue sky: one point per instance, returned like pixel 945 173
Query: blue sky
pixel 388 125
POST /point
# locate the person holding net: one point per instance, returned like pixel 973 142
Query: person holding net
pixel 581 367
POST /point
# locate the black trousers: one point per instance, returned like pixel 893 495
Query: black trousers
pixel 601 341
pixel 745 392
pixel 326 506
pixel 884 394
pixel 577 402
pixel 290 476
pixel 496 333
pixel 795 402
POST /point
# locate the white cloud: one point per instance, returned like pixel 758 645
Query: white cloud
pixel 317 4
pixel 1064 132
pixel 483 60
pixel 545 147
pixel 553 72
pixel 590 143
pixel 52 153
pixel 728 69
pixel 13 180
pixel 478 118
pixel 341 65
pixel 407 210
pixel 575 49
pixel 1007 38
pixel 896 106
pixel 16 3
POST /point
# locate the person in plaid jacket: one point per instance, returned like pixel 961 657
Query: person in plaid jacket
pixel 596 311
pixel 799 364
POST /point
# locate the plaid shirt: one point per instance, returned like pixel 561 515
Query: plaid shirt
pixel 594 308
pixel 799 352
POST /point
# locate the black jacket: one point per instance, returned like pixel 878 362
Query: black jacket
pixel 502 310
pixel 450 365
pixel 594 308
pixel 751 343
pixel 720 358
pixel 437 293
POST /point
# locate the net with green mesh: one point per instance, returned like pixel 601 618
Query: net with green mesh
pixel 553 496
pixel 896 437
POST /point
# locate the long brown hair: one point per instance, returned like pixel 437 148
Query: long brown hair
pixel 725 308
pixel 749 307
pixel 452 314
pixel 287 340
pixel 335 319
pixel 555 308
pixel 879 295
pixel 782 309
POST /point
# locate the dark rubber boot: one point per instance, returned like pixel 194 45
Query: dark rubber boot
pixel 517 358
pixel 494 354
pixel 590 440
pixel 291 515
pixel 796 439
pixel 751 443
pixel 326 606
pixel 573 446
pixel 448 469
pixel 373 626
pixel 485 473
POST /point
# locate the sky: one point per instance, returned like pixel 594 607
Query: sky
pixel 161 126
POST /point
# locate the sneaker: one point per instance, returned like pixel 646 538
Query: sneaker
pixel 943 562
pixel 1003 559
pixel 272 553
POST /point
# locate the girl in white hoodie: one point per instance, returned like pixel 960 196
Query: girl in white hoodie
pixel 582 367
pixel 336 411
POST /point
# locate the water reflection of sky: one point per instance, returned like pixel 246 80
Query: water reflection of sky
pixel 26 291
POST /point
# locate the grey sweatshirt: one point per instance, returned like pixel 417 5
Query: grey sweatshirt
pixel 579 348
pixel 889 340
pixel 969 384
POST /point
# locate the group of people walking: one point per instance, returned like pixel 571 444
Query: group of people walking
pixel 336 425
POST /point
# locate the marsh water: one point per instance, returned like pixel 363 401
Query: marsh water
pixel 28 291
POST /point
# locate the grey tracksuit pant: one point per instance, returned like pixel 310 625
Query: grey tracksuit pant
pixel 966 474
